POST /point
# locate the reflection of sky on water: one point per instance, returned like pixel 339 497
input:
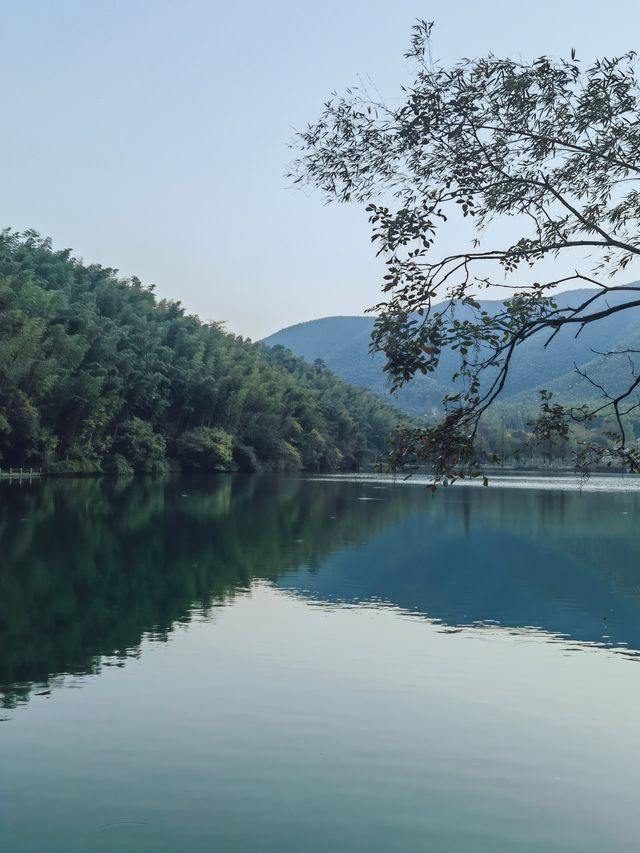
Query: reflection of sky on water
pixel 480 630
pixel 276 726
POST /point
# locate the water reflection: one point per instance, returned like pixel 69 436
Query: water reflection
pixel 90 567
pixel 565 563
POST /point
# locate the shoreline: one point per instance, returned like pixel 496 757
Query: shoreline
pixel 21 474
pixel 494 472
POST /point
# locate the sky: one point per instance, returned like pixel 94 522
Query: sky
pixel 152 135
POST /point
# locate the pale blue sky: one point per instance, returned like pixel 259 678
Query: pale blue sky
pixel 150 135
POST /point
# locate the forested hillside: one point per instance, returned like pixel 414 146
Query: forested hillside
pixel 342 343
pixel 96 374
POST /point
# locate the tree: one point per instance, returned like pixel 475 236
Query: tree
pixel 206 449
pixel 550 147
pixel 142 448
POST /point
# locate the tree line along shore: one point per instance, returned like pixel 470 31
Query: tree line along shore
pixel 99 376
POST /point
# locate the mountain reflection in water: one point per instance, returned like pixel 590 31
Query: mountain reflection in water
pixel 91 567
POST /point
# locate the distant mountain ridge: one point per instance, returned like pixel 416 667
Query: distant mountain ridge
pixel 343 344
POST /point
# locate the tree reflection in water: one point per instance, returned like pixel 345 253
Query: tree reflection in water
pixel 90 567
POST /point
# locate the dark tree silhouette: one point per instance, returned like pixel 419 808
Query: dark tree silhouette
pixel 554 146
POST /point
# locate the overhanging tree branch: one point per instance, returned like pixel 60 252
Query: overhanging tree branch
pixel 552 145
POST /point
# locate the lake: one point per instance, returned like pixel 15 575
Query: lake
pixel 275 663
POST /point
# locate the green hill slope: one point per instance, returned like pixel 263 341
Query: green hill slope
pixel 343 345
pixel 97 375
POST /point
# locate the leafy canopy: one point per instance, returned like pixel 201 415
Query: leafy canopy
pixel 97 375
pixel 553 147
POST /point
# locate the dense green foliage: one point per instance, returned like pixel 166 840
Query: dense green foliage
pixel 98 375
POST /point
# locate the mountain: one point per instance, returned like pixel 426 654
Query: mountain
pixel 343 345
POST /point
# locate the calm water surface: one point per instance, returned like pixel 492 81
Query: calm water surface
pixel 282 664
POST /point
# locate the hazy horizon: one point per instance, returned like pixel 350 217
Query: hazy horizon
pixel 153 139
